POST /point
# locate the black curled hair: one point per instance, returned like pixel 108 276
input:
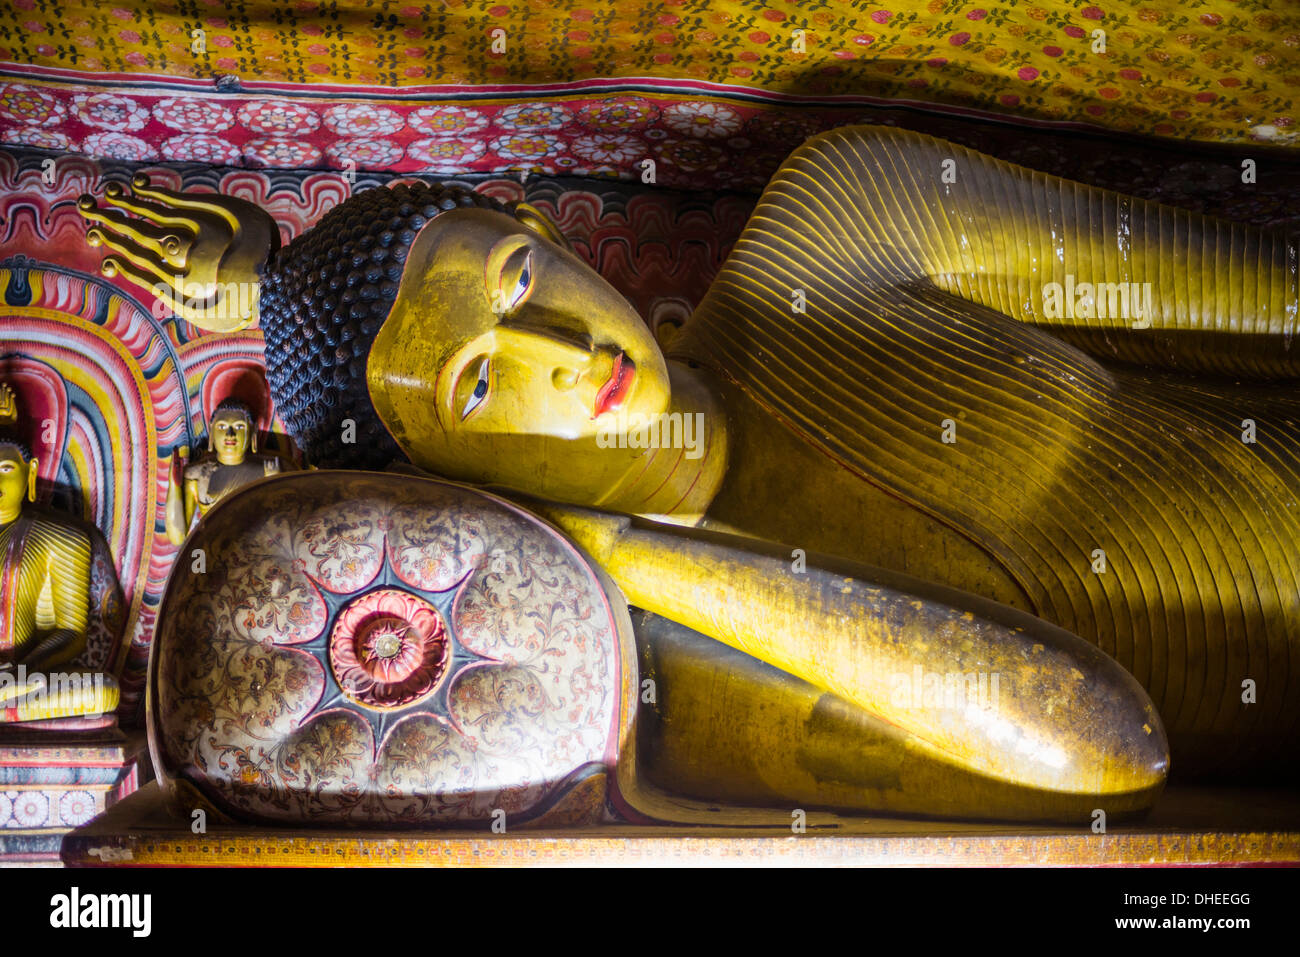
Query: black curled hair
pixel 323 299
pixel 234 405
pixel 12 440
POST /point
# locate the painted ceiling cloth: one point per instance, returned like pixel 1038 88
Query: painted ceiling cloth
pixel 712 89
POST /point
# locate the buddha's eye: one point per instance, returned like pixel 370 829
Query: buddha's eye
pixel 480 392
pixel 517 278
pixel 524 282
pixel 525 276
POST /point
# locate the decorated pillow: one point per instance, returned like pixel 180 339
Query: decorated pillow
pixel 340 648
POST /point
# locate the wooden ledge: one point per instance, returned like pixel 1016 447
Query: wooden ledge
pixel 1190 826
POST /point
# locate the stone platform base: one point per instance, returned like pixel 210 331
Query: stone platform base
pixel 1190 826
pixel 53 781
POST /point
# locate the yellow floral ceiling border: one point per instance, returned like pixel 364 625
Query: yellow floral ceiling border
pixel 1206 70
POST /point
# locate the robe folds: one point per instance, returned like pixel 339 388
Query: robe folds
pixel 887 303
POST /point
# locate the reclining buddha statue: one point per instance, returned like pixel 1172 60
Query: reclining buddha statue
pixel 933 404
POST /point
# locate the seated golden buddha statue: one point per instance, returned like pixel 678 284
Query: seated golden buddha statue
pixel 879 374
pixel 232 438
pixel 45 594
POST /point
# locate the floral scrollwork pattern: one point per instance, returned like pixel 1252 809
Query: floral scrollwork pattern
pixel 386 650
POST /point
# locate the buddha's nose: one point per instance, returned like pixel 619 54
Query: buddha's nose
pixel 564 324
pixel 564 379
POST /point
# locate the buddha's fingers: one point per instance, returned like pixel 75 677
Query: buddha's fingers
pixel 212 203
pixel 998 691
pixel 167 244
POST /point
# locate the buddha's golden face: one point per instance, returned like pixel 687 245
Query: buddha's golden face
pixel 231 436
pixel 505 353
pixel 13 483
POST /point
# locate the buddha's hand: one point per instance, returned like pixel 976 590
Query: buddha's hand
pixel 201 254
pixel 50 645
pixel 177 463
pixel 174 508
pixel 8 405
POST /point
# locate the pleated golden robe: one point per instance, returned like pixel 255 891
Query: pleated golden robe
pixel 892 290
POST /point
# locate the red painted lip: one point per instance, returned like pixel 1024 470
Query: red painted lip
pixel 614 392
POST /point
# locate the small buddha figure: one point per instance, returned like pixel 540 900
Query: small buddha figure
pixel 45 596
pixel 232 436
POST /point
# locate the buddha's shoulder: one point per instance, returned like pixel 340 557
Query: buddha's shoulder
pixel 55 528
pixel 253 466
pixel 201 471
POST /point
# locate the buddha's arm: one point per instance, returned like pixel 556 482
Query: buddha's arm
pixel 909 208
pixel 1068 717
pixel 191 503
pixel 174 511
pixel 61 624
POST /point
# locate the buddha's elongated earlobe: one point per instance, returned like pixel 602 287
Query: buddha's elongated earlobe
pixel 212 445
pixel 33 467
pixel 252 437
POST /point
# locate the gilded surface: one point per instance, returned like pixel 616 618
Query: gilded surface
pixel 877 376
pixel 926 306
